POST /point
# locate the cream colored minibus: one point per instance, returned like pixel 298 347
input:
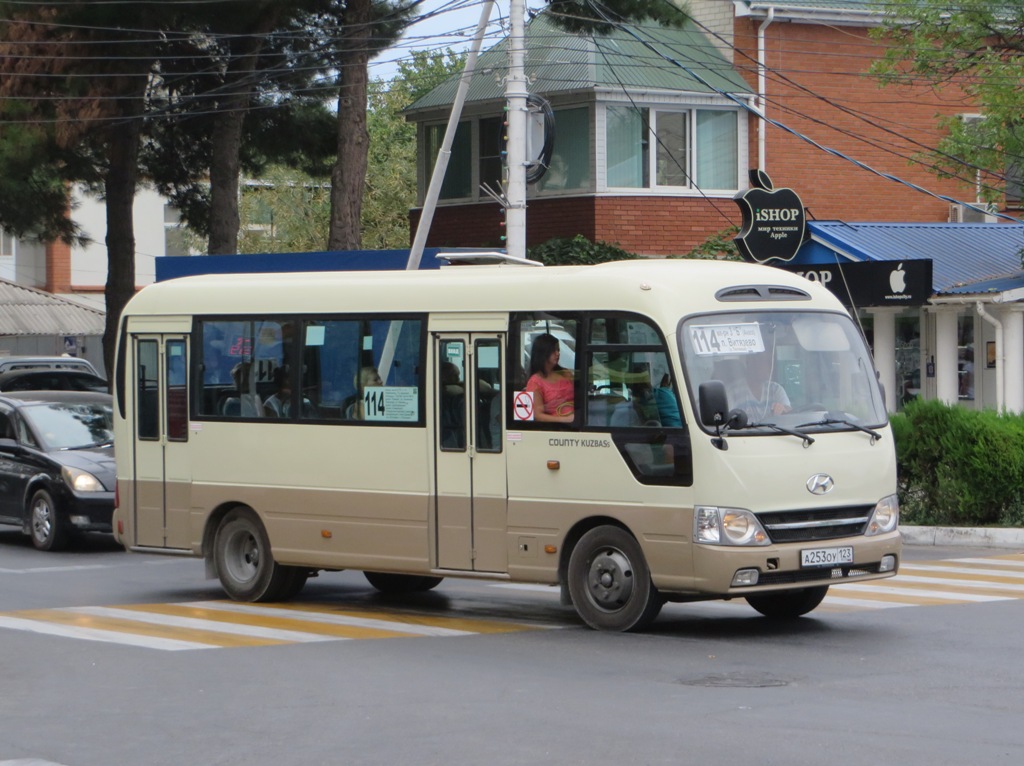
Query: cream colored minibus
pixel 718 433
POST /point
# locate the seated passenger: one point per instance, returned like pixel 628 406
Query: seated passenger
pixel 552 385
pixel 279 403
pixel 367 377
pixel 249 404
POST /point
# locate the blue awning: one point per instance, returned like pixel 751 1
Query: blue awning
pixel 967 258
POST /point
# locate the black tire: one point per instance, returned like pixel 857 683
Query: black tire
pixel 47 530
pixel 401 583
pixel 245 564
pixel 610 583
pixel 788 604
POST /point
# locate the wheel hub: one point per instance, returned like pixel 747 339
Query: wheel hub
pixel 610 579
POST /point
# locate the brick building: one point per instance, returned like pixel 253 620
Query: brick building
pixel 664 190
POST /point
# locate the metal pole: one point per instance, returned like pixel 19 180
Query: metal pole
pixel 516 93
pixel 445 153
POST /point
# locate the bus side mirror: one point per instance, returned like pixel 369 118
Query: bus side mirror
pixel 713 403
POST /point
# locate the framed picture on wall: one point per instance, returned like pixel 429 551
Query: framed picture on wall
pixel 990 354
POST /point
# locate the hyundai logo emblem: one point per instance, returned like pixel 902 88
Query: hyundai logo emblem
pixel 820 484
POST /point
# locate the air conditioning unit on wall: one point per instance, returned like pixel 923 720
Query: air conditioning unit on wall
pixel 976 212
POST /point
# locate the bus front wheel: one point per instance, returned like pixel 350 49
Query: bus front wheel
pixel 610 583
pixel 788 604
pixel 245 564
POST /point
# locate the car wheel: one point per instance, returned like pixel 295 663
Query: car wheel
pixel 610 583
pixel 246 565
pixel 400 583
pixel 788 604
pixel 45 526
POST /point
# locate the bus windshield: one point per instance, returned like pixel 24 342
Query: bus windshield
pixel 795 369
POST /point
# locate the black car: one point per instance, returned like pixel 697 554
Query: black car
pixel 56 464
pixel 52 380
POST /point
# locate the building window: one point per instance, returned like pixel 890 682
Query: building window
pixel 7 243
pixel 458 177
pixel 1014 179
pixel 570 161
pixel 693 148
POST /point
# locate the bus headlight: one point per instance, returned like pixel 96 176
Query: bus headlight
pixel 727 526
pixel 885 517
pixel 81 481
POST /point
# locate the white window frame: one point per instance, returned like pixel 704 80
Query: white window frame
pixel 653 105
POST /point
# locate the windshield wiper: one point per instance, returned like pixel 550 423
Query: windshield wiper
pixel 828 420
pixel 90 445
pixel 808 441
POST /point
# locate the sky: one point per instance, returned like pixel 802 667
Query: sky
pixel 445 24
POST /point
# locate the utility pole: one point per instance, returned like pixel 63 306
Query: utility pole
pixel 515 147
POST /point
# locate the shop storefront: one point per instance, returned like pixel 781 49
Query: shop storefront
pixel 941 304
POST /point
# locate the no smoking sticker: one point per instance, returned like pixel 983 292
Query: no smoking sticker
pixel 522 405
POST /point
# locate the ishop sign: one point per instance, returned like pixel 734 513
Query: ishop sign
pixel 774 222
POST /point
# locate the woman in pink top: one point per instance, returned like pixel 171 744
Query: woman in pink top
pixel 551 385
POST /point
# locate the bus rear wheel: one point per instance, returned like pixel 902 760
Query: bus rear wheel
pixel 401 583
pixel 788 604
pixel 610 582
pixel 245 564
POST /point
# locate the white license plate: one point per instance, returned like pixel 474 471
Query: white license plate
pixel 826 557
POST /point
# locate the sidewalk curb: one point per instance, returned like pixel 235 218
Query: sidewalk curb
pixel 983 537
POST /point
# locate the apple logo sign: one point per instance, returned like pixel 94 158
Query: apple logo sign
pixel 774 221
pixel 898 279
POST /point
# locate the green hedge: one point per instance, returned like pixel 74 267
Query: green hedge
pixel 959 467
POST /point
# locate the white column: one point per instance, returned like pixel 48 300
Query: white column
pixel 947 381
pixel 885 352
pixel 1013 358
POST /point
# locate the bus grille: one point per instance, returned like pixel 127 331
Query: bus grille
pixel 817 575
pixel 818 524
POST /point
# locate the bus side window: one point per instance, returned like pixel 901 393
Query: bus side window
pixel 538 334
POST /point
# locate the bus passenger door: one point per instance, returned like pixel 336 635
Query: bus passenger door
pixel 160 465
pixel 472 493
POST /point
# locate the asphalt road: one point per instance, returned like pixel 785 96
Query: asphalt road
pixel 110 658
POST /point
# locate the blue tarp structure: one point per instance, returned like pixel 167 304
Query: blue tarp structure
pixel 275 263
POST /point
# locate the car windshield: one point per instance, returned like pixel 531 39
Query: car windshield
pixel 67 425
pixel 809 370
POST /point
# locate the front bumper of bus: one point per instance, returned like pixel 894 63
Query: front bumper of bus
pixel 740 553
pixel 731 571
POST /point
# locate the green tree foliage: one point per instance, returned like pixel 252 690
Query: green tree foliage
pixel 717 247
pixel 287 210
pixel 577 251
pixel 602 15
pixel 979 46
pixel 390 189
pixel 958 466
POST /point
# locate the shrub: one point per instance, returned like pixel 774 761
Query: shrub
pixel 578 251
pixel 959 467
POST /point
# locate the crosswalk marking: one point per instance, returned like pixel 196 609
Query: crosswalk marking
pixel 929 583
pixel 227 624
pixel 223 624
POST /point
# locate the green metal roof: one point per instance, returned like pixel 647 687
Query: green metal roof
pixel 872 6
pixel 649 57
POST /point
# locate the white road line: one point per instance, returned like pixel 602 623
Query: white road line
pixel 961 583
pixel 962 570
pixel 396 626
pixel 831 600
pixel 45 570
pixel 1015 563
pixel 106 636
pixel 920 593
pixel 212 626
